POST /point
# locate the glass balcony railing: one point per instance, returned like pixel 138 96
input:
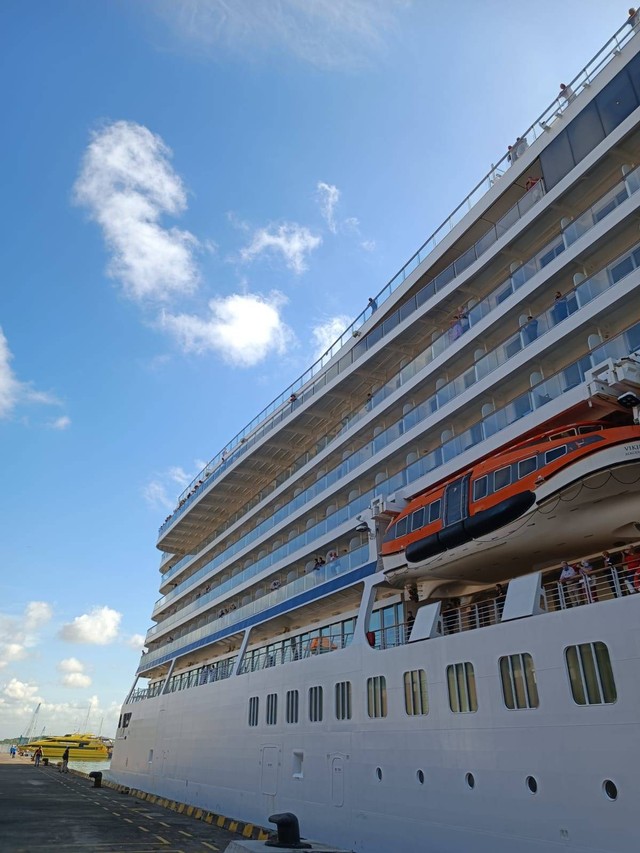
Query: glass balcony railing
pixel 578 297
pixel 313 580
pixel 309 383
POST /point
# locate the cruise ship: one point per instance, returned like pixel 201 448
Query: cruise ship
pixel 402 603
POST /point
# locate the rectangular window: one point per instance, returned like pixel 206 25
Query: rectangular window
pixel 343 700
pixel 461 682
pixel 434 511
pixel 254 704
pixel 616 101
pixel 417 519
pixel 590 674
pixel 527 466
pixel 315 704
pixel 377 696
pixel 401 526
pixel 555 453
pixel 415 692
pixel 292 706
pixel 272 709
pixel 519 688
pixel 501 478
pixel 480 488
pixel 125 721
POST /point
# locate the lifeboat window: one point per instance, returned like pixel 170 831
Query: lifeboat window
pixel 527 466
pixel 567 433
pixel 591 428
pixel 434 511
pixel 555 453
pixel 480 488
pixel 501 478
pixel 402 526
pixel 417 519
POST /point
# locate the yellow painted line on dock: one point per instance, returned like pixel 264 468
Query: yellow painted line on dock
pixel 161 839
pixel 117 814
pixel 220 820
pixel 188 834
pixel 162 823
pixel 128 819
pixel 248 830
pixel 190 811
pixel 210 846
pixel 144 829
pixel 233 826
pixel 198 814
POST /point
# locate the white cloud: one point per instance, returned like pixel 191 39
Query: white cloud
pixel 20 691
pixel 242 328
pixel 60 423
pixel 326 33
pixel 76 679
pixel 180 476
pixel 155 494
pixel 98 627
pixel 136 642
pixel 328 197
pixel 73 673
pixel 127 182
pixel 20 633
pixel 294 242
pixel 328 332
pixel 12 390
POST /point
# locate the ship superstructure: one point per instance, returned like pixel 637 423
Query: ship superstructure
pixel 293 666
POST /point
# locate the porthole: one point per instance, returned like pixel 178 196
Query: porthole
pixel 470 780
pixel 532 784
pixel 420 776
pixel 379 774
pixel 610 789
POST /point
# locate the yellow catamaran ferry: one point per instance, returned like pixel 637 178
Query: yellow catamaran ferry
pixel 82 747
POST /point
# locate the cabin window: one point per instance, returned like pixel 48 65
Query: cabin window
pixel 461 682
pixel 292 706
pixel 415 692
pixel 480 488
pixel 377 696
pixel 417 519
pixel 567 433
pixel 254 704
pixel 272 709
pixel 343 700
pixel 501 478
pixel 519 688
pixel 527 466
pixel 555 453
pixel 401 527
pixel 590 674
pixel 434 511
pixel 315 704
pixel 590 428
pixel 125 720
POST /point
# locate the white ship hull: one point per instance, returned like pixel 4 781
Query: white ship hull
pixel 203 753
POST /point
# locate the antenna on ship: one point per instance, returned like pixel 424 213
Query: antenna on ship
pixel 86 720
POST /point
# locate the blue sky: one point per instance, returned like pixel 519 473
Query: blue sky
pixel 194 202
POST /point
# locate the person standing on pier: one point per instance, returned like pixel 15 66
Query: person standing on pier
pixel 64 767
pixel 37 755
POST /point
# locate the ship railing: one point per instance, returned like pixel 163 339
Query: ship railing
pixel 599 585
pixel 281 405
pixel 296 648
pixel 146 692
pixel 572 230
pixel 312 580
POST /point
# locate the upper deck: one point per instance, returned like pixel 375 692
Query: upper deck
pixel 485 224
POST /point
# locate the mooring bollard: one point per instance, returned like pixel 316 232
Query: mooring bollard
pixel 288 830
pixel 96 775
pixel 45 761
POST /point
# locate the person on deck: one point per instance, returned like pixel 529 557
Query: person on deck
pixel 64 767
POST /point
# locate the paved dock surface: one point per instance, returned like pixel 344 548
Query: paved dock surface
pixel 42 809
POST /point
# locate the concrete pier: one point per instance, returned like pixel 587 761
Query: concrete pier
pixel 44 810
